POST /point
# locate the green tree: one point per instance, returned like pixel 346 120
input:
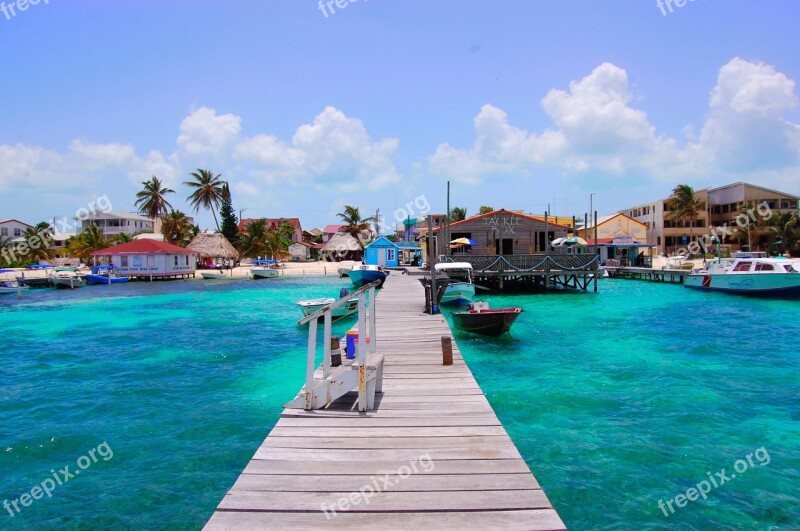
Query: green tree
pixel 207 192
pixel 38 241
pixel 485 210
pixel 785 229
pixel 122 237
pixel 684 205
pixel 151 200
pixel 176 229
pixel 747 233
pixel 84 244
pixel 229 227
pixel 253 242
pixel 457 214
pixel 354 224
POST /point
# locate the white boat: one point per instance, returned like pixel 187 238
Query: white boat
pixel 67 281
pixel 212 275
pixel 457 292
pixel 10 285
pixel 264 269
pixel 312 305
pixel 761 277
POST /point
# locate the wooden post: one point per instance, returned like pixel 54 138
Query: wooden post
pixel 326 355
pixel 361 352
pixel 596 247
pixel 336 352
pixel 311 362
pixel 372 345
pixel 447 350
pixel 432 264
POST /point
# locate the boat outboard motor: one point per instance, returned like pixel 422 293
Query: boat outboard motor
pixel 343 293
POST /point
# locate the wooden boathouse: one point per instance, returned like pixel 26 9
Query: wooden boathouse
pixel 414 445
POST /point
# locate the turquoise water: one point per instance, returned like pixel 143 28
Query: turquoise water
pixel 182 380
pixel 630 396
pixel 616 399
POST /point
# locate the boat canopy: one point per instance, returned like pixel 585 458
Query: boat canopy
pixel 264 262
pixel 453 265
pixel 39 266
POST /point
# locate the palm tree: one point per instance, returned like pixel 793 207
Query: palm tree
pixel 354 225
pixel 277 245
pixel 122 237
pixel 90 240
pixel 207 193
pixel 684 206
pixel 151 201
pixel 457 214
pixel 253 242
pixel 786 228
pixel 38 239
pixel 176 229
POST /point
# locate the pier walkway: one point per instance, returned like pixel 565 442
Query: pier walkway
pixel 431 455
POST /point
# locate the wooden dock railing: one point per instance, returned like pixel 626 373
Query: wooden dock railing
pixel 365 373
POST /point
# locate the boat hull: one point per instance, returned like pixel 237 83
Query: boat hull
pixel 458 293
pixel 264 272
pixel 102 279
pixel 312 305
pixel 68 283
pixel 6 290
pixel 362 277
pixel 491 323
pixel 212 275
pixel 777 285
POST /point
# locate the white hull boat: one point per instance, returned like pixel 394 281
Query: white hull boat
pixel 760 277
pixel 263 272
pixel 212 275
pixel 67 281
pixel 312 305
pixel 457 292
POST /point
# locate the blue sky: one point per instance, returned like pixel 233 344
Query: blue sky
pixel 520 104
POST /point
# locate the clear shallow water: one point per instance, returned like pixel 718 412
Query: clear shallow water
pixel 628 396
pixel 616 400
pixel 183 380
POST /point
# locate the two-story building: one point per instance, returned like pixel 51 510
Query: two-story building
pixel 115 222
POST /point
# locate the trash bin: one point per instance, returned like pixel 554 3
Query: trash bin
pixel 350 344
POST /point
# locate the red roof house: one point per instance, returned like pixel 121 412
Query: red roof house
pixel 148 259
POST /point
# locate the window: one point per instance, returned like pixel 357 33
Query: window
pixel 186 260
pixel 743 266
pixel 151 261
pixel 17 233
pixel 4 231
pixel 176 260
pixel 123 261
pixel 390 255
pixel 764 267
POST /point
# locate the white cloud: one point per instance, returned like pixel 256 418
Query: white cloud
pixel 246 189
pixel 332 150
pixel 597 132
pixel 204 132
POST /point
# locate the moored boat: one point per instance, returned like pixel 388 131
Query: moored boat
pixel 66 278
pixel 264 269
pixel 344 268
pixel 457 292
pixel 759 277
pixel 212 275
pixel 310 306
pixel 10 285
pixel 480 319
pixel 105 274
pixel 363 274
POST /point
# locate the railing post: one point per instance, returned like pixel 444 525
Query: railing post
pixel 362 330
pixel 373 347
pixel 311 362
pixel 326 355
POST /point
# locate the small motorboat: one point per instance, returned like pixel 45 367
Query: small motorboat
pixel 344 268
pixel 264 269
pixel 310 306
pixel 105 274
pixel 363 274
pixel 457 292
pixel 212 275
pixel 66 278
pixel 480 319
pixel 10 285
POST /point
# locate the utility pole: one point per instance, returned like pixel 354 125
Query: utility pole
pixel 377 223
pixel 446 227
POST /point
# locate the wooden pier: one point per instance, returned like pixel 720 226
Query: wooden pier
pixel 675 276
pixel 431 454
pixel 532 272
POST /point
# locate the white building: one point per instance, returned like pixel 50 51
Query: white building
pixel 12 229
pixel 114 223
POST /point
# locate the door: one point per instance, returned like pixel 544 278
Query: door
pixel 504 246
pixel 381 257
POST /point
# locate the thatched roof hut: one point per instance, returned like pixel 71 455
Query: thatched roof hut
pixel 212 245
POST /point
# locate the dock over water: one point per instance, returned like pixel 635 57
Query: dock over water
pixel 431 454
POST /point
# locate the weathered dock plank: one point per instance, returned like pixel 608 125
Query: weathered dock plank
pixel 432 454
